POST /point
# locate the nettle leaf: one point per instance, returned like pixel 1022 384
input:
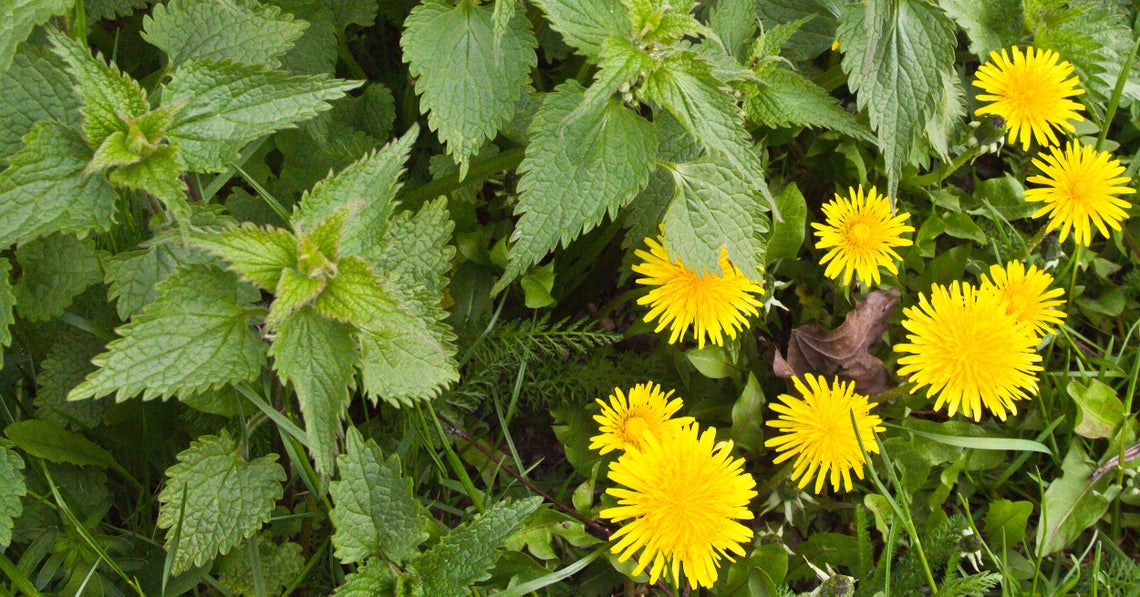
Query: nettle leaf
pixel 644 215
pixel 34 89
pixel 228 105
pixel 377 577
pixel 734 22
pixel 786 98
pixel 44 439
pixel 316 356
pixel 816 34
pixel 98 10
pixel 19 17
pixel 354 12
pixel 132 277
pixel 56 269
pixel 713 208
pixel 585 24
pixel 67 363
pixel 43 190
pixel 895 54
pixel 239 31
pixel 213 499
pixel 621 64
pixel 7 301
pixel 12 488
pixel 575 174
pixel 279 565
pixel 415 253
pixel 315 51
pixel 158 174
pixel 989 24
pixel 195 336
pixel 469 84
pixel 376 511
pixel 467 553
pixel 368 185
pixel 257 254
pixel 110 96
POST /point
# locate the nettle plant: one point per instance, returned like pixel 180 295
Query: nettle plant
pixel 324 297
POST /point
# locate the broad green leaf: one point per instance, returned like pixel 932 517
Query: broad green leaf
pixel 1099 411
pixel 376 511
pixel 195 336
pixel 43 190
pixel 1005 523
pixel 294 291
pixel 7 301
pixel 713 209
pixel 67 363
pixel 243 31
pixel 355 295
pixel 620 65
pixel 711 361
pixel 12 488
pixel 734 22
pixel 788 235
pixel 132 277
pixel 1092 35
pixel 111 98
pixel 114 151
pixel 576 174
pixel 1006 196
pixel 981 443
pixel 368 186
pixel 34 89
pixel 44 439
pixel 257 254
pixel 313 53
pixel 989 24
pixel 468 85
pixel 786 98
pixel 467 553
pixel 415 251
pixel 354 12
pixel 374 578
pixel 644 214
pixel 213 499
pixel 158 174
pixel 56 269
pixel 405 358
pixel 98 10
pixel 585 24
pixel 943 126
pixel 814 36
pixel 228 105
pixel 19 17
pixel 895 53
pixel 280 564
pixel 316 356
pixel 542 528
pixel 1072 503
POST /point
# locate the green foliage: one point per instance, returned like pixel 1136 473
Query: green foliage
pixel 1072 503
pixel 787 98
pixel 214 498
pixel 56 269
pixel 586 25
pixel 21 16
pixel 376 512
pixel 242 31
pixel 13 488
pixel 44 439
pixel 279 565
pixel 34 89
pixel 66 364
pixel 7 301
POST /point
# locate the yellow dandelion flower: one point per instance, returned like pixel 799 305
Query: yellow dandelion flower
pixel 969 350
pixel 1027 295
pixel 861 232
pixel 682 496
pixel 1081 185
pixel 713 305
pixel 817 431
pixel 625 420
pixel 1031 93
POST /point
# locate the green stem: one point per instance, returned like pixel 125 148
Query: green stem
pixel 506 160
pixel 349 60
pixel 1117 91
pixel 456 463
pixel 937 176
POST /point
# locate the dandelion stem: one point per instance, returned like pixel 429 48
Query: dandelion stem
pixel 937 176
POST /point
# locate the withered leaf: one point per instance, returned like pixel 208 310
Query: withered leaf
pixel 844 350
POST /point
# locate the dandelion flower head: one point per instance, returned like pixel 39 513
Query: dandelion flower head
pixel 680 496
pixel 1031 92
pixel 969 350
pixel 861 233
pixel 713 305
pixel 1027 295
pixel 816 429
pixel 1080 187
pixel 625 420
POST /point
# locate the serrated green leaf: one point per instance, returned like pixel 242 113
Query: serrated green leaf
pixel 43 190
pixel 7 302
pixel 355 295
pixel 814 36
pixel 229 105
pixel 354 12
pixel 415 252
pixel 375 578
pixel 314 53
pixel 368 185
pixel 989 24
pixel 213 499
pixel 712 210
pixel 645 213
pixel 195 336
pixel 67 363
pixel 895 54
pixel 575 174
pixel 1072 503
pixel 405 358
pixel 585 24
pixel 44 439
pixel 1092 35
pixel 316 356
pixel 110 96
pixel 257 254
pixel 98 10
pixel 294 290
pixel 467 553
pixel 56 269
pixel 949 107
pixel 132 277
pixel 280 564
pixel 242 31
pixel 621 64
pixel 34 89
pixel 734 23
pixel 375 509
pixel 19 17
pixel 541 529
pixel 158 174
pixel 12 488
pixel 787 98
pixel 112 152
pixel 469 89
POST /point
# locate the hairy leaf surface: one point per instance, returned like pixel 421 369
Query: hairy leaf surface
pixel 34 89
pixel 240 31
pixel 57 269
